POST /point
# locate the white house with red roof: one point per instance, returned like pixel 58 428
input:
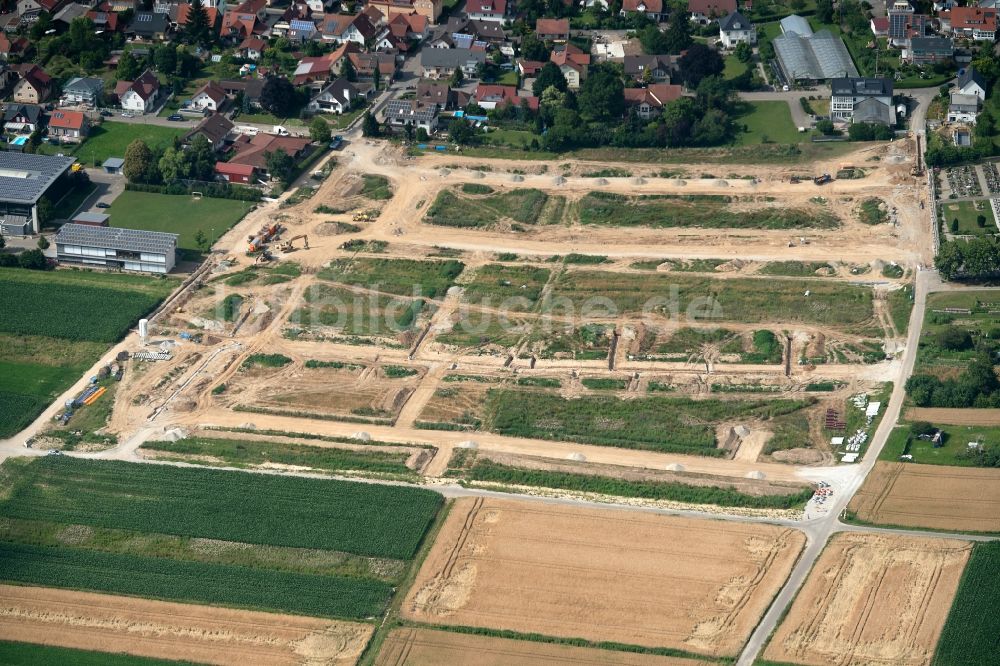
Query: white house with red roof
pixel 653 9
pixel 649 102
pixel 706 11
pixel 210 97
pixel 68 126
pixel 140 95
pixel 486 10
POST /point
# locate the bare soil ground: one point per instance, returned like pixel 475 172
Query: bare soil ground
pixel 201 634
pixel 427 647
pixel 930 496
pixel 525 567
pixel 946 416
pixel 872 599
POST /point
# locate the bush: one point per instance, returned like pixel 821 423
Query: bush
pixel 918 428
pixel 212 190
pixel 953 338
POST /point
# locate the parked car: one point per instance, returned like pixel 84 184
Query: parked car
pixel 126 114
pixel 103 204
pixel 175 116
pixel 106 114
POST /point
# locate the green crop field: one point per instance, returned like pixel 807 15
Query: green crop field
pixel 29 654
pixel 971 635
pixel 674 425
pixel 55 324
pixel 247 453
pixel 178 214
pixel 197 582
pixel 515 287
pixel 522 205
pixel 404 277
pixel 378 521
pixel 749 300
pixel 702 211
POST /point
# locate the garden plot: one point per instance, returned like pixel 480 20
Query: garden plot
pixel 481 333
pixel 715 344
pixel 401 277
pixel 338 391
pixel 339 314
pixel 479 206
pixel 458 403
pixel 686 298
pixel 505 287
pixel 589 342
pixel 707 211
pixel 872 599
pixel 538 568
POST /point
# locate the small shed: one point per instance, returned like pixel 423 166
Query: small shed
pixel 113 165
pixel 92 219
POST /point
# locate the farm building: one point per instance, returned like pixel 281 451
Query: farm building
pixel 24 179
pixel 122 249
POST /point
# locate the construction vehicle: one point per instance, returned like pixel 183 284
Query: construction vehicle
pixel 257 241
pixel 365 216
pixel 264 257
pixel 794 180
pixel 289 245
pixel 823 180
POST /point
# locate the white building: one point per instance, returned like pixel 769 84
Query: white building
pixel 736 29
pixel 847 94
pixel 963 108
pixel 119 249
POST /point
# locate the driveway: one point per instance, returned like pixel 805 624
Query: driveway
pixel 799 117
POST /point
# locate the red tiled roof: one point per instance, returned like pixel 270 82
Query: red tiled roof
pixel 652 6
pixel 545 26
pixel 529 67
pixel 973 18
pixel 185 8
pixel 234 169
pixel 710 7
pixel 251 151
pixel 252 43
pixel 881 23
pixel 66 119
pixel 656 95
pixel 570 55
pixel 213 90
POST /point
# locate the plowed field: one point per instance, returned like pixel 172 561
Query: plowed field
pixel 426 647
pixel 930 496
pixel 601 575
pixel 872 599
pixel 200 634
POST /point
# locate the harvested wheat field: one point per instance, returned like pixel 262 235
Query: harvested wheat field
pixel 949 416
pixel 872 599
pixel 602 575
pixel 174 631
pixel 957 499
pixel 427 647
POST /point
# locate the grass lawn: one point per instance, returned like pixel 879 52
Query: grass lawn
pixel 342 120
pixel 955 449
pixel 267 119
pixel 966 213
pixel 111 139
pixel 515 138
pixel 177 214
pixel 508 79
pixel 768 122
pixel 734 67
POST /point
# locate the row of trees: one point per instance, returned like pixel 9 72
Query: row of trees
pixel 975 259
pixel 977 386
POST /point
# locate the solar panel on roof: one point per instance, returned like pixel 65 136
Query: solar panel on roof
pixel 25 177
pixel 133 240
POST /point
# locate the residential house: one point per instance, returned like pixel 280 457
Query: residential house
pixel 34 86
pixel 848 94
pixel 13 47
pixel 210 97
pixel 65 16
pixel 652 9
pixel 736 29
pixel 963 108
pixel 463 33
pixel 148 26
pixel 573 63
pixel 240 174
pixel 442 63
pixel 401 32
pixel 929 50
pixel 491 11
pixel 251 48
pixel 490 96
pixel 900 15
pixel 365 65
pixel 389 8
pixel 880 26
pixel 247 89
pixel 529 68
pixel 216 129
pixel 253 150
pixel 706 11
pixel 68 126
pixel 974 23
pixel 552 30
pixel 140 95
pixel 402 112
pixel 648 68
pixel 341 28
pixel 649 102
pixel 248 18
pixel 971 82
pixel 83 91
pixel 22 118
pixel 317 70
pixel 106 21
pixel 435 92
pixel 27 11
pixel 336 97
pixel 178 15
